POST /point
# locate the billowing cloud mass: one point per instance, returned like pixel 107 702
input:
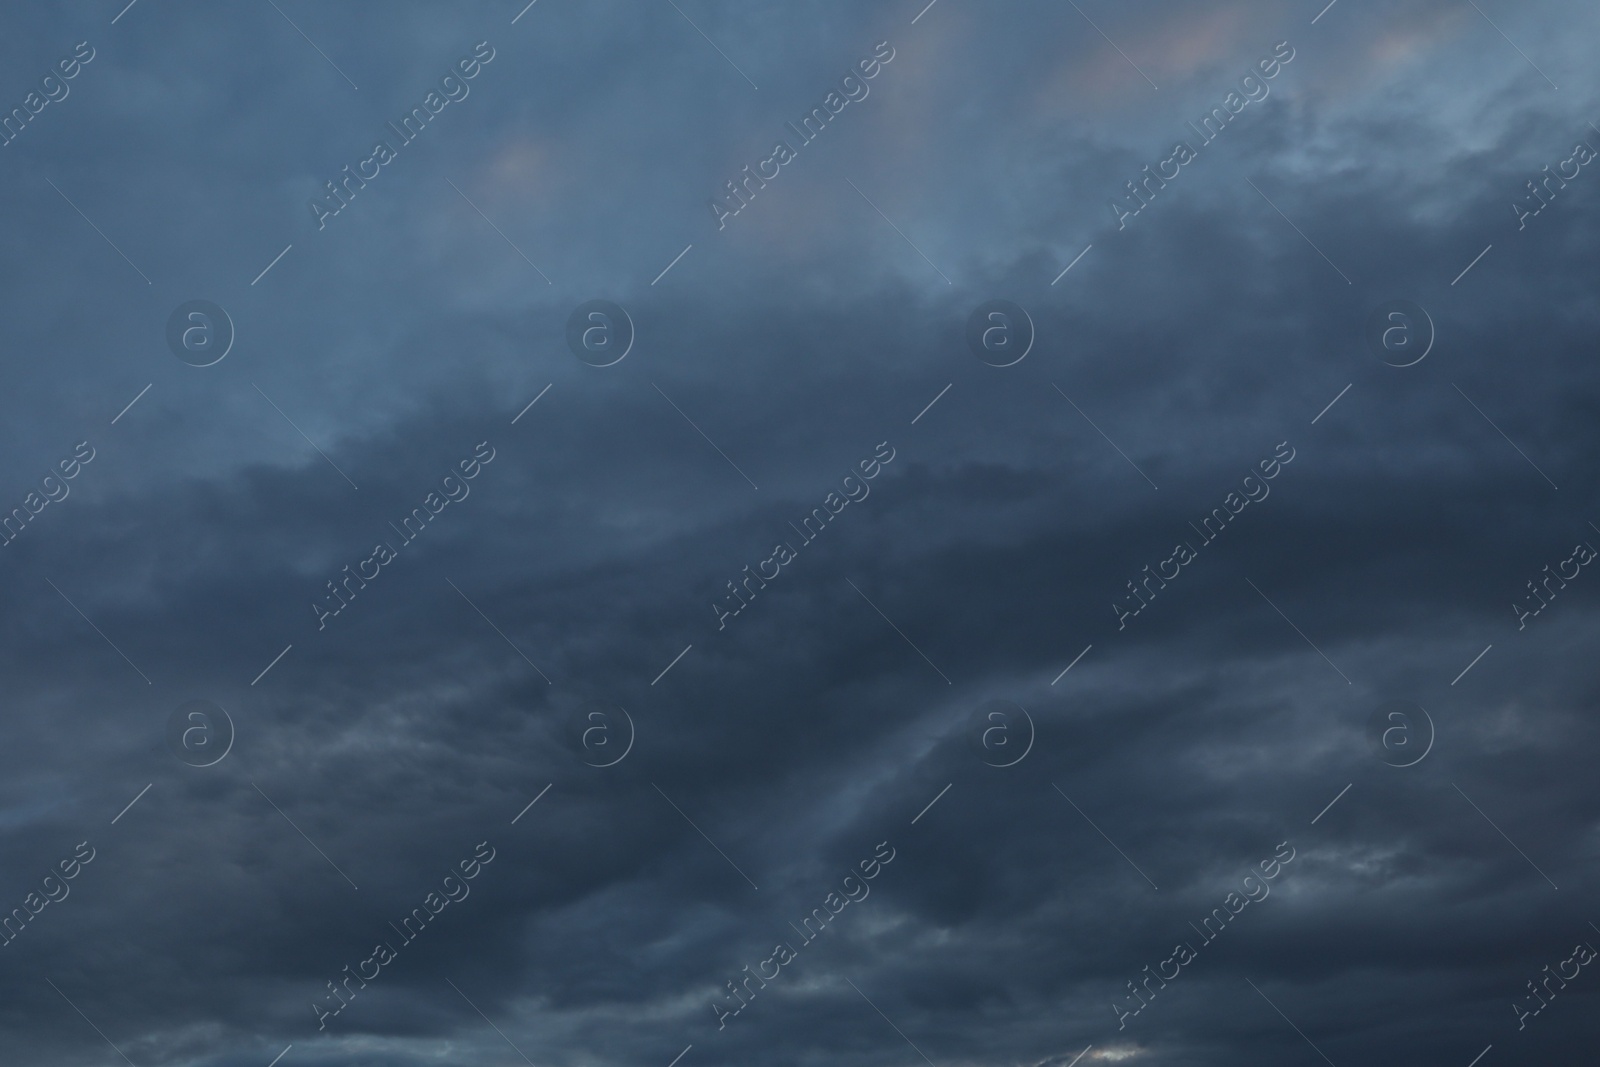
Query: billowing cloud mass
pixel 707 533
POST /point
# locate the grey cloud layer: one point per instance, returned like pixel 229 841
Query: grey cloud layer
pixel 797 739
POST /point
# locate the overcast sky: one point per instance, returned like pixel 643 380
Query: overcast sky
pixel 1168 595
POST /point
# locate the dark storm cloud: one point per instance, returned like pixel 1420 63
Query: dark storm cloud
pixel 419 721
